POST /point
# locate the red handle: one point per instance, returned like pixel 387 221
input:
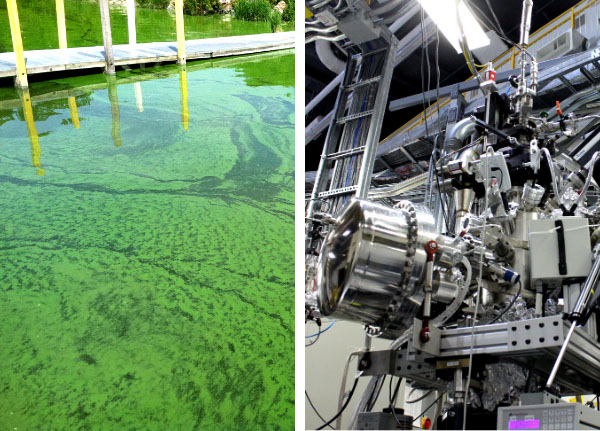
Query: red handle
pixel 431 248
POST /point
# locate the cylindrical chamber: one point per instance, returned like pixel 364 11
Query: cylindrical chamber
pixel 372 265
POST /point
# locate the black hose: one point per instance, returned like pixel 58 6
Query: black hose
pixel 343 407
pixel 495 319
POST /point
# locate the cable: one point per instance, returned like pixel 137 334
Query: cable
pixel 514 299
pixel 425 56
pixel 371 404
pixel 343 383
pixel 313 341
pixel 491 26
pixel 465 46
pixel 479 281
pixel 499 27
pixel 320 332
pixel 422 397
pixel 393 399
pixel 315 409
pixel 343 407
pixel 429 406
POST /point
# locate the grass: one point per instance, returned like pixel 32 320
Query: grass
pixel 253 10
pixel 275 20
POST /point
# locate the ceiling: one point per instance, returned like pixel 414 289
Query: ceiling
pixel 407 75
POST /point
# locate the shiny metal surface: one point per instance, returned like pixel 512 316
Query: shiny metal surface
pixel 372 265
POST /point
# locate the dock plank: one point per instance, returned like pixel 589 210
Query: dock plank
pixel 52 60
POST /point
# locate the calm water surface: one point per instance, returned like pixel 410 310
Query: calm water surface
pixel 38 25
pixel 146 247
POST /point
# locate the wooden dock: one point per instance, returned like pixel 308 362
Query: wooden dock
pixel 55 60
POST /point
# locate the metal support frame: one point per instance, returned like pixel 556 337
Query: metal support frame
pixel 345 118
pixel 407 45
pixel 518 341
pixel 366 170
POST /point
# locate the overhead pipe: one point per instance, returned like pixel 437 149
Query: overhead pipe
pixel 330 38
pixel 335 83
pixel 325 53
pixel 308 29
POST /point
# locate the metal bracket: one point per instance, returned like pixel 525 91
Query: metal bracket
pixel 433 345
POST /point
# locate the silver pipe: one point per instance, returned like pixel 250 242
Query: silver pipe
pixel 329 29
pixel 315 4
pixel 330 38
pixel 553 175
pixel 590 282
pixel 588 180
pixel 343 385
pixel 404 18
pixel 526 22
pixel 397 189
pixel 459 132
pixel 534 75
pixel 559 358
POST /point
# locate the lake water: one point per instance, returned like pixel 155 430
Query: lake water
pixel 38 25
pixel 146 249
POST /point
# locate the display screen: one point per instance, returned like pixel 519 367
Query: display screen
pixel 528 424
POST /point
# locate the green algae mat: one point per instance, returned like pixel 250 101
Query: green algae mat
pixel 38 25
pixel 146 249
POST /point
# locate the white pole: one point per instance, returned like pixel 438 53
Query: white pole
pixel 107 36
pixel 131 21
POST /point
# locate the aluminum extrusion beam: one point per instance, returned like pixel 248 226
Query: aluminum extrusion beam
pixel 520 340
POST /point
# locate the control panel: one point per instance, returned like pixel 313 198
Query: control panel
pixel 559 416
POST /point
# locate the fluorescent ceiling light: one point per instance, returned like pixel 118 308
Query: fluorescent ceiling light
pixel 443 14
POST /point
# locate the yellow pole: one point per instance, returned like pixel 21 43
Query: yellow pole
pixel 60 23
pixel 180 32
pixel 74 113
pixel 114 109
pixel 15 31
pixel 185 115
pixel 36 149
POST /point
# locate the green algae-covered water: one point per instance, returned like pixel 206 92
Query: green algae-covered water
pixel 146 270
pixel 38 25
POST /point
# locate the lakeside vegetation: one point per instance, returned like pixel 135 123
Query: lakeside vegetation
pixel 247 10
pixel 190 7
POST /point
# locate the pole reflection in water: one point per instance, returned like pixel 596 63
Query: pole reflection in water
pixel 185 115
pixel 74 113
pixel 118 254
pixel 115 110
pixel 36 149
pixel 139 101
